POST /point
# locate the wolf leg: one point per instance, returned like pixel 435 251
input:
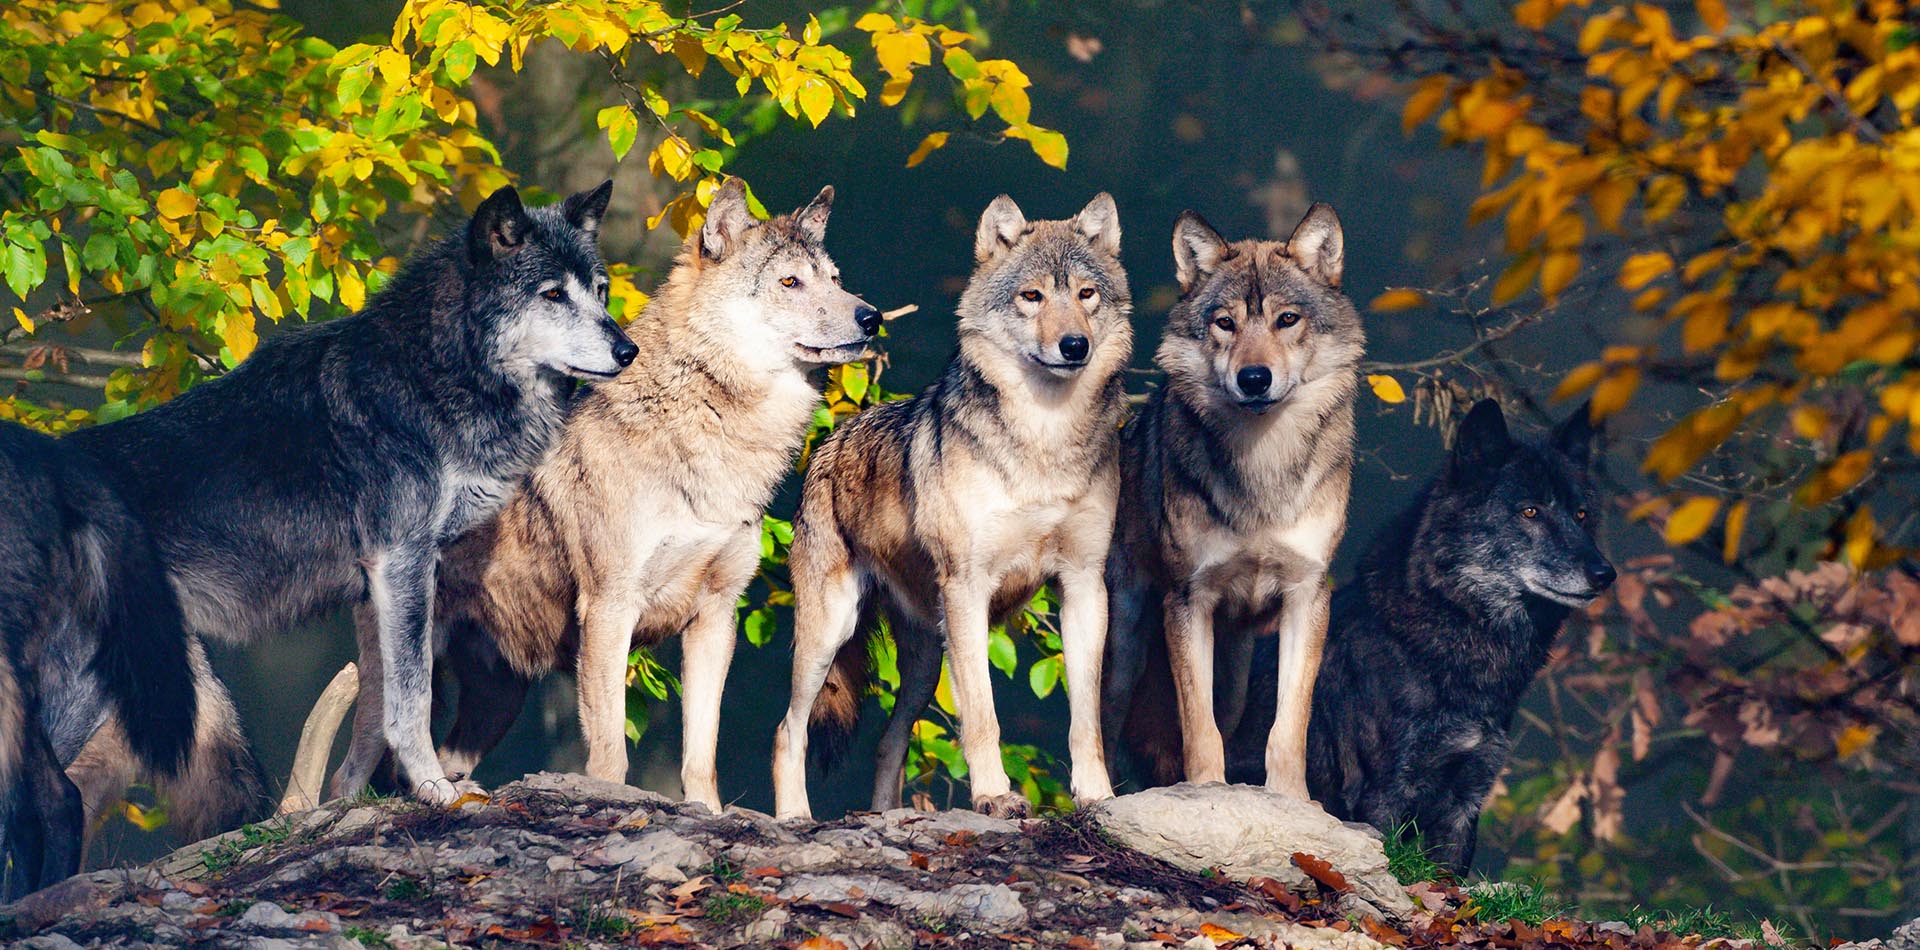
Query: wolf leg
pixel 491 697
pixel 1232 676
pixel 826 609
pixel 706 653
pixel 1190 654
pixel 606 636
pixel 1083 635
pixel 1126 656
pixel 918 651
pixel 369 742
pixel 62 815
pixel 1303 631
pixel 963 609
pixel 400 585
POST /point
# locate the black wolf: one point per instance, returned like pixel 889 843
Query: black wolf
pixel 332 465
pixel 90 631
pixel 1432 646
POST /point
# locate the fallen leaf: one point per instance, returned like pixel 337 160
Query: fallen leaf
pixel 821 943
pixel 961 839
pixel 1219 934
pixel 690 888
pixel 918 860
pixel 1321 871
pixel 766 872
pixel 670 935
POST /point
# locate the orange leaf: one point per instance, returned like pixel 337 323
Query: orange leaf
pixel 1321 871
pixel 1691 519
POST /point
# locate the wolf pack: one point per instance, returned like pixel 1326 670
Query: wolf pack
pixel 502 483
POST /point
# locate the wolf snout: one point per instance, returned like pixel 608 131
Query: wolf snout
pixel 867 318
pixel 1254 380
pixel 1074 348
pixel 623 349
pixel 1600 574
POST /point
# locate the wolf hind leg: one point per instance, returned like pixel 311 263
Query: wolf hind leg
pixel 1232 677
pixel 918 650
pixel 826 614
pixel 491 697
pixel 368 744
pixel 48 822
pixel 1125 660
pixel 1303 633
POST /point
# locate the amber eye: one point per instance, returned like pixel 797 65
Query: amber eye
pixel 1289 318
pixel 789 281
pixel 1529 512
pixel 1580 515
pixel 1086 293
pixel 554 294
pixel 1224 322
pixel 1030 296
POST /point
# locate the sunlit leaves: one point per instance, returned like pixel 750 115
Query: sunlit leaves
pixel 903 45
pixel 1386 388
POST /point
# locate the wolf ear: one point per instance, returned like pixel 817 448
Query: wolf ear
pixel 584 210
pixel 498 228
pixel 1100 222
pixel 728 217
pixel 1481 442
pixel 1197 250
pixel 1000 227
pixel 1573 437
pixel 1316 244
pixel 812 219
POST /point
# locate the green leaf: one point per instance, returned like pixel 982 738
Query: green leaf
pixel 460 60
pixel 1044 675
pixel 622 128
pixel 1001 653
pixel 758 627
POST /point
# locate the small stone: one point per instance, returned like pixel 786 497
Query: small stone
pixel 48 942
pixel 561 862
pixel 265 915
pixel 1200 942
pixel 665 873
pixel 768 927
pixel 356 820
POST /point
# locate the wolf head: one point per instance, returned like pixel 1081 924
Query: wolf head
pixel 1258 321
pixel 1048 297
pixel 542 267
pixel 1512 517
pixel 769 291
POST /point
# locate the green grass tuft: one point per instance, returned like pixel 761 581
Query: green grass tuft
pixel 228 853
pixel 724 907
pixel 1511 900
pixel 371 939
pixel 1408 857
pixel 1704 922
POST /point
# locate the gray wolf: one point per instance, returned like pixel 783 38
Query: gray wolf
pixel 331 465
pixel 948 510
pixel 93 642
pixel 644 522
pixel 1234 487
pixel 1432 646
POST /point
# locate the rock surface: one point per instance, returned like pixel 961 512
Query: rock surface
pixel 1246 832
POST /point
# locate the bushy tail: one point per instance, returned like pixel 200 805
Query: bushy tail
pixel 836 711
pixel 141 658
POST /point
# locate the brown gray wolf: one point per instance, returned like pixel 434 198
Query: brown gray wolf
pixel 948 510
pixel 93 644
pixel 1433 644
pixel 331 465
pixel 1234 487
pixel 644 522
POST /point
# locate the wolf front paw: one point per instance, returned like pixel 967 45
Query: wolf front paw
pixel 438 792
pixel 1010 805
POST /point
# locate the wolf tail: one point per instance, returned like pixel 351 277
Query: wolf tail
pixel 836 711
pixel 141 658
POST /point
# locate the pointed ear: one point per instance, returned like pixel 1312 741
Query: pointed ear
pixel 584 210
pixel 1100 222
pixel 1573 437
pixel 1000 227
pixel 1198 250
pixel 498 228
pixel 728 218
pixel 1316 244
pixel 812 219
pixel 1481 442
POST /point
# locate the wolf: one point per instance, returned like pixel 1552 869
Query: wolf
pixel 331 465
pixel 644 522
pixel 93 643
pixel 949 509
pixel 1234 486
pixel 1433 644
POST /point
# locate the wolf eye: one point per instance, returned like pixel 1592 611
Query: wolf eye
pixel 1030 296
pixel 1580 515
pixel 789 281
pixel 554 294
pixel 1224 322
pixel 602 290
pixel 1086 293
pixel 1530 512
pixel 1289 318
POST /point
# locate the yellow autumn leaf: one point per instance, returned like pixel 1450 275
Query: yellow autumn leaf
pixel 1386 388
pixel 1579 379
pixel 816 99
pixel 1691 519
pixel 1219 934
pixel 1426 99
pixel 1396 300
pixel 933 141
pixel 900 52
pixel 1713 14
pixel 1641 269
pixel 1557 271
pixel 1858 547
pixel 1613 392
pixel 26 322
pixel 174 203
pixel 1736 528
pixel 1849 741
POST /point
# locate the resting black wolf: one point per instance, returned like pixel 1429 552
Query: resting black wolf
pixel 1431 648
pixel 90 630
pixel 333 464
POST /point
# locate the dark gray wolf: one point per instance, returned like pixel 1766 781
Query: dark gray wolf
pixel 951 508
pixel 92 635
pixel 644 521
pixel 332 465
pixel 1234 487
pixel 1434 643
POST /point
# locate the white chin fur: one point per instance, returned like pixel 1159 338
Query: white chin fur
pixel 1575 601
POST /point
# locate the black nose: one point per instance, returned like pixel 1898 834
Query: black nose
pixel 1255 380
pixel 1600 575
pixel 1074 348
pixel 868 319
pixel 624 351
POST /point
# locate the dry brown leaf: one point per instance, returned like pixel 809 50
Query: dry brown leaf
pixel 1321 871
